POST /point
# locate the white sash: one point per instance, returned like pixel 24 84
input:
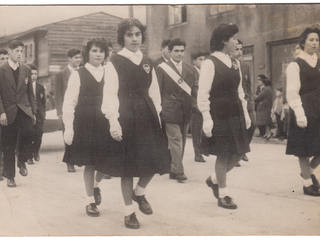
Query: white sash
pixel 176 78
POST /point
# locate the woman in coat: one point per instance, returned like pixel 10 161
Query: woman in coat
pixel 303 96
pixel 264 102
pixel 224 110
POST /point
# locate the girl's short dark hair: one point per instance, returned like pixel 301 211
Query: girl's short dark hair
pixel 222 34
pixel 304 35
pixel 98 42
pixel 128 24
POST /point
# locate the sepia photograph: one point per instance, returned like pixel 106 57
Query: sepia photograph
pixel 160 119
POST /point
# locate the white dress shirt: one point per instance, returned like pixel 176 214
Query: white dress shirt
pixel 34 84
pixel 72 93
pixel 294 84
pixel 110 103
pixel 178 65
pixel 205 83
pixel 12 64
pixel 72 69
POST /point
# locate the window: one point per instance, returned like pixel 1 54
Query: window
pixel 247 53
pixel 216 9
pixel 28 53
pixel 177 14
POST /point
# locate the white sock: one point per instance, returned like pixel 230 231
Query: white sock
pixel 312 170
pixel 139 191
pixel 95 184
pixel 90 200
pixel 214 178
pixel 307 182
pixel 128 210
pixel 223 192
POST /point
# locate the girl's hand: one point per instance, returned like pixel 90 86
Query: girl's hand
pixel 116 130
pixel 68 136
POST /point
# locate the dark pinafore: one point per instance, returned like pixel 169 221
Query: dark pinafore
pixel 306 142
pixel 229 135
pixel 144 149
pixel 90 125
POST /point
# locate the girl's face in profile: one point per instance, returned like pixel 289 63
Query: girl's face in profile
pixel 133 39
pixel 96 56
pixel 230 45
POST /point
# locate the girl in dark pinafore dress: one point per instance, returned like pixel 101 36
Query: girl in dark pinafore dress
pixel 85 125
pixel 131 101
pixel 303 96
pixel 224 110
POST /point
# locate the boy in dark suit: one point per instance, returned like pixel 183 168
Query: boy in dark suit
pixel 40 97
pixel 178 98
pixel 165 55
pixel 17 111
pixel 62 78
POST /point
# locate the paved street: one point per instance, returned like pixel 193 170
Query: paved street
pixel 268 191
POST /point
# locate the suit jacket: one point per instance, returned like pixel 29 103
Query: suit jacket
pixel 14 96
pixel 62 79
pixel 246 84
pixel 176 103
pixel 41 102
pixel 159 61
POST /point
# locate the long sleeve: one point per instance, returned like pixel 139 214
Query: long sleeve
pixel 59 93
pixel 205 84
pixel 110 102
pixel 71 100
pixel 241 94
pixel 293 88
pixel 154 92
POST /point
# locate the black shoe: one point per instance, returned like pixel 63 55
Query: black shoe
pixel 92 210
pixel 312 191
pixel 214 187
pixel 237 165
pixel 315 181
pixel 97 195
pixel 227 202
pixel 131 221
pixel 30 161
pixel 23 169
pixel 245 158
pixel 181 177
pixel 144 206
pixel 36 156
pixel 172 176
pixel 70 167
pixel 11 182
pixel 199 159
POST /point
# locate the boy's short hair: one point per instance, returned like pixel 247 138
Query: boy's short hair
pixel 176 42
pixel 14 44
pixel 195 56
pixel 32 66
pixel 73 51
pixel 3 51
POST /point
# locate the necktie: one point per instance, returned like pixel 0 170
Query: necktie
pixel 179 68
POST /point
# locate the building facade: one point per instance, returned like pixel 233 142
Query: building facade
pixel 269 31
pixel 46 46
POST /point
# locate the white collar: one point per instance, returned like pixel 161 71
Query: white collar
pixel 310 59
pixel 93 68
pixel 13 65
pixel 176 63
pixel 135 57
pixel 220 55
pixel 72 69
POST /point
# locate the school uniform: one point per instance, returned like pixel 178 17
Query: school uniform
pixel 18 103
pixel 40 97
pixel 303 91
pixel 82 113
pixel 131 97
pixel 177 108
pixel 221 93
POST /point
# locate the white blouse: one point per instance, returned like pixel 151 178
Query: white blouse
pixel 72 93
pixel 205 83
pixel 110 102
pixel 294 84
